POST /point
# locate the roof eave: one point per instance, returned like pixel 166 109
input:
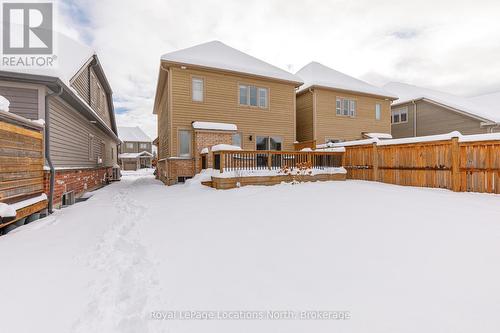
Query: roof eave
pixel 317 86
pixel 296 83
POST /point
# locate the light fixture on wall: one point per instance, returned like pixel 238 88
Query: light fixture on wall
pixel 250 138
pixel 93 122
pixel 183 67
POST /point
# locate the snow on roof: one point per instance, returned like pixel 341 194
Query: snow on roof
pixel 132 134
pixel 214 126
pixel 223 147
pixel 135 155
pixel 408 93
pixel 490 102
pixel 4 104
pixel 379 135
pixel 216 54
pixel 316 74
pixel 71 56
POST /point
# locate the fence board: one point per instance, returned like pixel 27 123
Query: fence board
pixel 429 164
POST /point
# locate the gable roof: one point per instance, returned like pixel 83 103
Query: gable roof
pixel 71 57
pixel 469 106
pixel 491 103
pixel 216 54
pixel 135 155
pixel 316 74
pixel 132 134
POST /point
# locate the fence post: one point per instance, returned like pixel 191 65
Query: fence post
pixel 269 161
pixel 455 165
pixel 222 158
pixel 375 162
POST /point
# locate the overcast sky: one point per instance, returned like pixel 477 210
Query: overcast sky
pixel 448 45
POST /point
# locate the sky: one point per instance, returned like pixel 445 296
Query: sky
pixel 453 46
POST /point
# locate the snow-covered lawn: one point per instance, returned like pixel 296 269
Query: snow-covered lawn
pixel 399 259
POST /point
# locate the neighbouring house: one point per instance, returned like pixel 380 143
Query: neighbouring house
pixel 422 111
pixel 213 94
pixel 74 100
pixel 136 150
pixel 335 107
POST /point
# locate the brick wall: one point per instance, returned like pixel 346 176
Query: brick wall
pixel 206 139
pixel 79 181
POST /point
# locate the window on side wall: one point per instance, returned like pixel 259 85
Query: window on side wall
pixel 378 111
pixel 236 139
pixel 197 89
pixel 129 145
pixel 184 143
pixel 144 146
pixel 399 116
pixel 345 107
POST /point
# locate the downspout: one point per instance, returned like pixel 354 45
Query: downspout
pixel 47 147
pixel 414 118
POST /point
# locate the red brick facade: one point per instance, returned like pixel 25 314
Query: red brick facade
pixel 79 181
pixel 170 169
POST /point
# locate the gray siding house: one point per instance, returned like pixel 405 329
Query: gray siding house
pixel 421 111
pixel 136 149
pixel 74 99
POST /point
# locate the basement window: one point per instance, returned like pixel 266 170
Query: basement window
pixel 182 179
pixel 68 198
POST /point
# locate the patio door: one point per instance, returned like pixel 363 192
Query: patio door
pixel 268 143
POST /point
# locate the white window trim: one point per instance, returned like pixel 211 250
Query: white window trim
pixel 378 111
pixel 399 111
pixel 352 107
pixel 258 89
pixel 202 80
pixel 241 138
pixel 179 143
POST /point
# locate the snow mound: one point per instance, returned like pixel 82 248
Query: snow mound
pixel 4 104
pixel 223 147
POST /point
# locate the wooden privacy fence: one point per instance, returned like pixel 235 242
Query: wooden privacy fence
pixel 261 160
pixel 458 164
pixel 21 164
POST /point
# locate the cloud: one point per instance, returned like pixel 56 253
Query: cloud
pixel 447 45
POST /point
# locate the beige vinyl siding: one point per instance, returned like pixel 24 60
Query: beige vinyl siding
pixel 433 119
pixel 305 116
pixel 329 125
pixel 23 101
pixel 69 138
pixel 221 104
pixel 136 148
pixel 163 126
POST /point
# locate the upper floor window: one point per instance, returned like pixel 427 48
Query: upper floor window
pixel 129 145
pixel 253 96
pixel 345 107
pixel 399 116
pixel 197 89
pixel 143 146
pixel 378 111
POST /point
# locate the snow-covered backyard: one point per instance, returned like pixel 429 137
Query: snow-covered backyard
pixel 399 259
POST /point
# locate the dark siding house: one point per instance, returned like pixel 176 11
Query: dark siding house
pixel 81 141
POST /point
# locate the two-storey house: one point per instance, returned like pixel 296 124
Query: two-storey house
pixel 333 107
pixel 213 94
pixel 422 111
pixel 74 100
pixel 136 150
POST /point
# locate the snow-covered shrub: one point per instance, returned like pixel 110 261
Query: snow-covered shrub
pixel 297 174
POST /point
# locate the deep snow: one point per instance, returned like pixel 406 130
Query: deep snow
pixel 400 259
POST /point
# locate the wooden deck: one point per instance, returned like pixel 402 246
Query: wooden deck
pixel 245 167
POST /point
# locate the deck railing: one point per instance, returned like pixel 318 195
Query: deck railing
pixel 274 160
